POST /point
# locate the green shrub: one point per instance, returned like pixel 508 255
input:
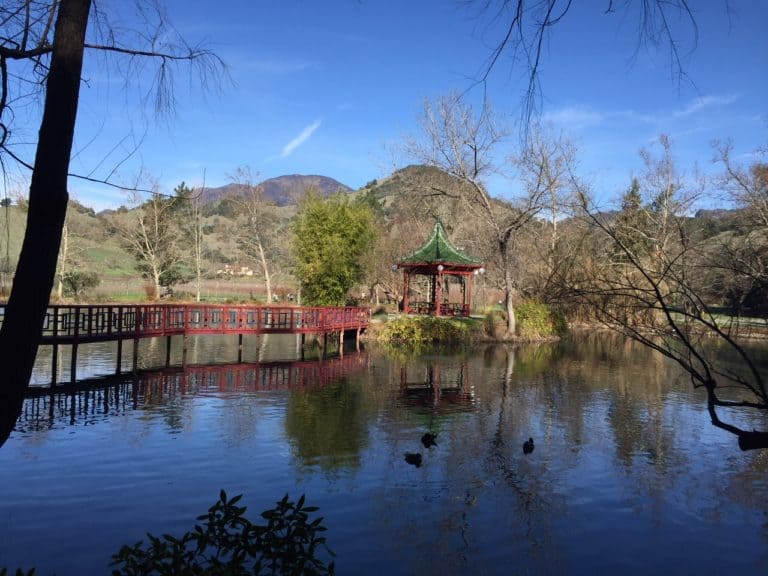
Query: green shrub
pixel 425 330
pixel 79 282
pixel 227 543
pixel 536 320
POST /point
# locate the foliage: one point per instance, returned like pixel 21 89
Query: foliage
pixel 79 282
pixel 424 330
pixel 331 238
pixel 227 543
pixel 537 320
pixel 328 426
pixel 368 197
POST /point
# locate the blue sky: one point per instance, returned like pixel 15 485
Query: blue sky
pixel 329 87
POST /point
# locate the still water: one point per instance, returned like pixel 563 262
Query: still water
pixel 627 475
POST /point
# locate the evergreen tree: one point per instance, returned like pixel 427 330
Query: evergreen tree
pixel 330 239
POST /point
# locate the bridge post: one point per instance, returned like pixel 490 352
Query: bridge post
pixel 239 347
pixel 54 363
pixel 73 359
pixel 184 346
pixel 167 351
pixel 341 342
pixel 55 351
pixel 135 355
pixel 119 359
pixel 73 364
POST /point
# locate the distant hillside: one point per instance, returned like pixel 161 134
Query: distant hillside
pixel 284 190
pixel 409 178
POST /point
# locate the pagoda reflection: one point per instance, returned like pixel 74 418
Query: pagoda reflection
pixel 436 383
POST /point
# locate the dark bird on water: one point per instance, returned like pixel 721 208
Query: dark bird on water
pixel 429 440
pixel 413 458
pixel 528 446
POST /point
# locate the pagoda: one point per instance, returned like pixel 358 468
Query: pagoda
pixel 444 267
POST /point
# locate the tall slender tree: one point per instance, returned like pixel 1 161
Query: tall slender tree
pixel 188 209
pixel 48 40
pixel 24 313
pixel 260 220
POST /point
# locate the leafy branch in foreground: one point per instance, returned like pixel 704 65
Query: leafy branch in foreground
pixel 228 543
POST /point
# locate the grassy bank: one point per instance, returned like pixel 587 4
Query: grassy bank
pixel 535 321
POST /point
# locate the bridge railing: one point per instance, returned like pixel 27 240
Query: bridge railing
pixel 94 322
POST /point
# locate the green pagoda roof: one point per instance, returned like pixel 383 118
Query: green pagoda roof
pixel 438 249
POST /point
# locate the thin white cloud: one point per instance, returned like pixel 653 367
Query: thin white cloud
pixel 576 117
pixel 305 135
pixel 703 102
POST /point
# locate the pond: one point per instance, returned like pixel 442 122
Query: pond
pixel 626 476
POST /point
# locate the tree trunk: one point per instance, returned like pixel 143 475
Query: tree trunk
pixel 36 270
pixel 156 281
pixel 509 285
pixel 198 247
pixel 267 276
pixel 63 253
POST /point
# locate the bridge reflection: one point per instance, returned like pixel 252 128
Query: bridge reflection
pixel 87 401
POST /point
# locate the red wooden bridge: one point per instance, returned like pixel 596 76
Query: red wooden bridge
pixel 86 323
pixel 78 324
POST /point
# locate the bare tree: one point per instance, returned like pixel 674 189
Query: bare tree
pixel 64 259
pixel 545 166
pixel 747 187
pixel 20 333
pixel 741 262
pixel 526 27
pixel 42 45
pixel 70 252
pixel 644 287
pixel 151 234
pixel 464 144
pixel 260 219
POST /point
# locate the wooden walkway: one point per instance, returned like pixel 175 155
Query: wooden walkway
pixel 86 323
pixel 83 323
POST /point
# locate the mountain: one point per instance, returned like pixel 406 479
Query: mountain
pixel 284 190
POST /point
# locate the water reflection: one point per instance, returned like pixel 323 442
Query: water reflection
pixel 627 475
pixel 328 428
pixel 91 400
pixel 437 384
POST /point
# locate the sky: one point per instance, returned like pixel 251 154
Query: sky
pixel 332 88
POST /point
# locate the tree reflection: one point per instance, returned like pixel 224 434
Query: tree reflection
pixel 328 426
